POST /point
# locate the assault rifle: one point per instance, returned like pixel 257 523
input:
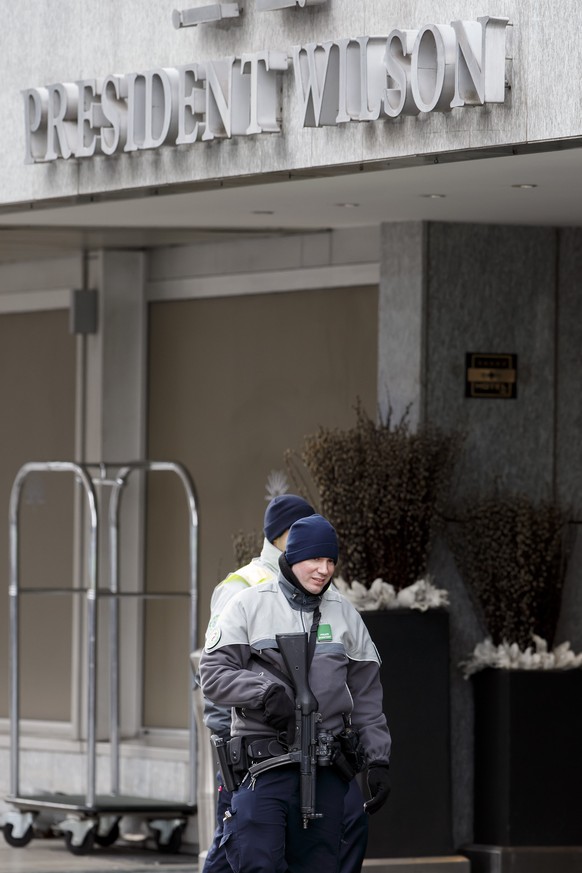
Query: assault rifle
pixel 305 748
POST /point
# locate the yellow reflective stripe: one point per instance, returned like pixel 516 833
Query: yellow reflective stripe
pixel 235 577
pixel 250 575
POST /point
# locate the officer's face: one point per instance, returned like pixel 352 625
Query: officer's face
pixel 314 573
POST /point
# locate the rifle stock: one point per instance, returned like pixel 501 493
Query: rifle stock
pixel 294 649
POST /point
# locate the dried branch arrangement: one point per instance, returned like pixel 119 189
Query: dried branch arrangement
pixel 384 489
pixel 511 552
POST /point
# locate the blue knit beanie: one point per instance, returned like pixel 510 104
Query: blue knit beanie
pixel 282 511
pixel 312 537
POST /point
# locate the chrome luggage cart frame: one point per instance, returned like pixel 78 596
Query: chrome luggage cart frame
pixel 92 818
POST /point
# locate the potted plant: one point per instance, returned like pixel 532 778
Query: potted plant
pixel 384 487
pixel 512 552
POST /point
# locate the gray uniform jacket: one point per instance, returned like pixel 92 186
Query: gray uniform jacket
pixel 344 674
pixel 259 570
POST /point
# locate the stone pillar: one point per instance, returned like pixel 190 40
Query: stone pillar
pixel 116 354
pixel 402 320
pixel 111 396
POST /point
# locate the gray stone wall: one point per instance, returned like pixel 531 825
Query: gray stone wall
pixel 490 289
pixel 568 471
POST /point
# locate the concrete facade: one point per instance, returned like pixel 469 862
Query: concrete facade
pixel 138 36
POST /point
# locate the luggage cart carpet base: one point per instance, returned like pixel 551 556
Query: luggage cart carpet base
pixel 85 826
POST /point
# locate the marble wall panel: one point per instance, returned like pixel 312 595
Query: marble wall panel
pixel 492 290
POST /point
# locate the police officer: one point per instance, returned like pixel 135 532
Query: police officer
pixel 243 668
pixel 281 512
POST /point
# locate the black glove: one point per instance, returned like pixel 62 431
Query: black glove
pixel 279 710
pixel 379 785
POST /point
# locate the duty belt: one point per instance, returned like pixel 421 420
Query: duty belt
pixel 242 756
pixel 245 750
pixel 264 747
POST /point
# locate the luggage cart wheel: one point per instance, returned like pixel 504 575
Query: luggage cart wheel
pixel 168 835
pixel 18 842
pixel 79 835
pixel 107 832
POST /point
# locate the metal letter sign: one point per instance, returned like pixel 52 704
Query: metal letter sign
pixel 491 376
pixel 437 68
pixel 271 5
pixel 210 14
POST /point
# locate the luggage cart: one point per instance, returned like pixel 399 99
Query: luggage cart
pixel 89 819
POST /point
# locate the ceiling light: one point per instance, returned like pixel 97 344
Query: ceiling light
pixel 348 205
pixel 263 212
pixel 526 185
pixel 434 196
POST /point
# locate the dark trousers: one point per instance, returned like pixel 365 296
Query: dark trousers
pixel 354 839
pixel 216 861
pixel 355 831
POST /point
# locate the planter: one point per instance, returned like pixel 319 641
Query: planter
pixel 528 757
pixel 414 647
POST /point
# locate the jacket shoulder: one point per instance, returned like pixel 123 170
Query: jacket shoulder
pixel 251 574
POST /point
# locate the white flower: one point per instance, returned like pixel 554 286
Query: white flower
pixel 421 595
pixel 378 596
pixel 383 593
pixel 277 484
pixel 508 656
pixel 406 597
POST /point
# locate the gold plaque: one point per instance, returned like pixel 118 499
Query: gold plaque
pixel 491 375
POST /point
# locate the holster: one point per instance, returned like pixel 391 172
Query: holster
pixel 349 757
pixel 229 769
